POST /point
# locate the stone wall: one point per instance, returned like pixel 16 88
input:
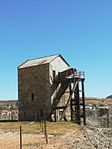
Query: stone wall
pixel 34 92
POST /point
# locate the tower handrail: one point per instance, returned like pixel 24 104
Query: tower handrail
pixel 79 74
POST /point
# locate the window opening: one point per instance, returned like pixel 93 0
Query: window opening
pixel 54 75
pixel 32 97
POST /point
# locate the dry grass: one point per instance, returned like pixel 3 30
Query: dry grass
pixel 58 128
pixel 61 128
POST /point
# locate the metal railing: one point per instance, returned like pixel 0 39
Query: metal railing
pixel 79 74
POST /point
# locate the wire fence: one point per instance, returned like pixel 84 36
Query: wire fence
pixel 16 136
pixel 99 118
pixel 24 138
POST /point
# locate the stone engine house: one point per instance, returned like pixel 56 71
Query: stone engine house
pixel 46 88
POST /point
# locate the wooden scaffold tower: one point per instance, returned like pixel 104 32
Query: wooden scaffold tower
pixel 74 81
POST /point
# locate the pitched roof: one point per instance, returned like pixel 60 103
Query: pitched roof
pixel 39 61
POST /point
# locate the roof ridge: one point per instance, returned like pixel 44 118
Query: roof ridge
pixel 41 60
pixel 23 63
pixel 43 57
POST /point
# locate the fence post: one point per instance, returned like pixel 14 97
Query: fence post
pixel 45 129
pixel 107 118
pixel 20 137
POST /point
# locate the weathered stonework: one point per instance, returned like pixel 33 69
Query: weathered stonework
pixel 33 81
pixel 36 89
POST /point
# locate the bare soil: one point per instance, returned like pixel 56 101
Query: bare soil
pixel 81 138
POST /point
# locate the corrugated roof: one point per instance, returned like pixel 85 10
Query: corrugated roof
pixel 38 61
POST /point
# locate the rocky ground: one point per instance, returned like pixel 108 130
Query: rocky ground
pixel 85 138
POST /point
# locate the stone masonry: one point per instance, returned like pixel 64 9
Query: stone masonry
pixel 34 91
pixel 36 88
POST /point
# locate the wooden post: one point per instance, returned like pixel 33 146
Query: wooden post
pixel 83 99
pixel 45 129
pixel 107 118
pixel 77 100
pixel 70 89
pixel 55 118
pixel 20 137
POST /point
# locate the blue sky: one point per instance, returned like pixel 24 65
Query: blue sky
pixel 80 30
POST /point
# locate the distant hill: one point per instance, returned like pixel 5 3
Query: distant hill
pixel 110 97
pixel 7 102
